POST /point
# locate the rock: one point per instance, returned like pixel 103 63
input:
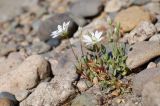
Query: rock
pixel 7 48
pixel 35 25
pixel 157 60
pixel 127 17
pixel 60 88
pixel 112 15
pixel 19 38
pixel 153 7
pixel 139 2
pixel 155 0
pixel 65 60
pixel 95 89
pixel 143 77
pixel 151 92
pixel 158 18
pixel 157 25
pixel 53 42
pixel 158 65
pixel 86 8
pixel 79 20
pixel 7 99
pixel 85 100
pixel 21 95
pixel 58 6
pixel 83 85
pixel 141 53
pixel 99 24
pixel 10 9
pixel 127 100
pixel 126 3
pixel 38 48
pixel 8 96
pixel 11 62
pixel 151 65
pixel 155 37
pixel 26 76
pixel 6 102
pixel 113 6
pixel 142 32
pixel 50 24
pixel 50 93
pixel 38 10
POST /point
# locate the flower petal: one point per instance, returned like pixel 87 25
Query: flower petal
pixel 87 38
pixel 98 34
pixel 59 28
pixel 65 26
pixel 55 34
pixel 92 34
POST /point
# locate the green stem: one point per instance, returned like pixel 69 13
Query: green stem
pixel 73 50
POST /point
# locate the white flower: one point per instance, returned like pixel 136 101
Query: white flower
pixel 93 38
pixel 62 30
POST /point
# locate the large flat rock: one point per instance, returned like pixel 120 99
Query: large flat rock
pixel 142 52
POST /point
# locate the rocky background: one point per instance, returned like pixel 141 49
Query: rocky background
pixel 36 70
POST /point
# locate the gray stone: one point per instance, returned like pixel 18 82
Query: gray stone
pixel 153 7
pixel 86 8
pixel 79 20
pixel 85 100
pixel 38 48
pixel 7 102
pixel 141 53
pixel 142 32
pixel 7 99
pixel 158 18
pixel 95 90
pixel 10 9
pixel 60 88
pixel 50 93
pixel 139 2
pixel 19 38
pixel 113 6
pixel 8 96
pixel 26 76
pixel 127 100
pixel 99 24
pixel 144 77
pixel 7 48
pixel 151 65
pixel 157 25
pixel 10 63
pixel 158 65
pixel 155 37
pixel 83 85
pixel 157 60
pixel 50 24
pixel 112 15
pixel 65 60
pixel 151 92
pixel 53 42
pixel 35 25
pixel 21 95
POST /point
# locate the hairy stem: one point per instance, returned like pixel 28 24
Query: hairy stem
pixel 73 50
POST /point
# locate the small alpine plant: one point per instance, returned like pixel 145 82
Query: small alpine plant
pixel 97 65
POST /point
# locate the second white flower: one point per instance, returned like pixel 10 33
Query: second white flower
pixel 92 38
